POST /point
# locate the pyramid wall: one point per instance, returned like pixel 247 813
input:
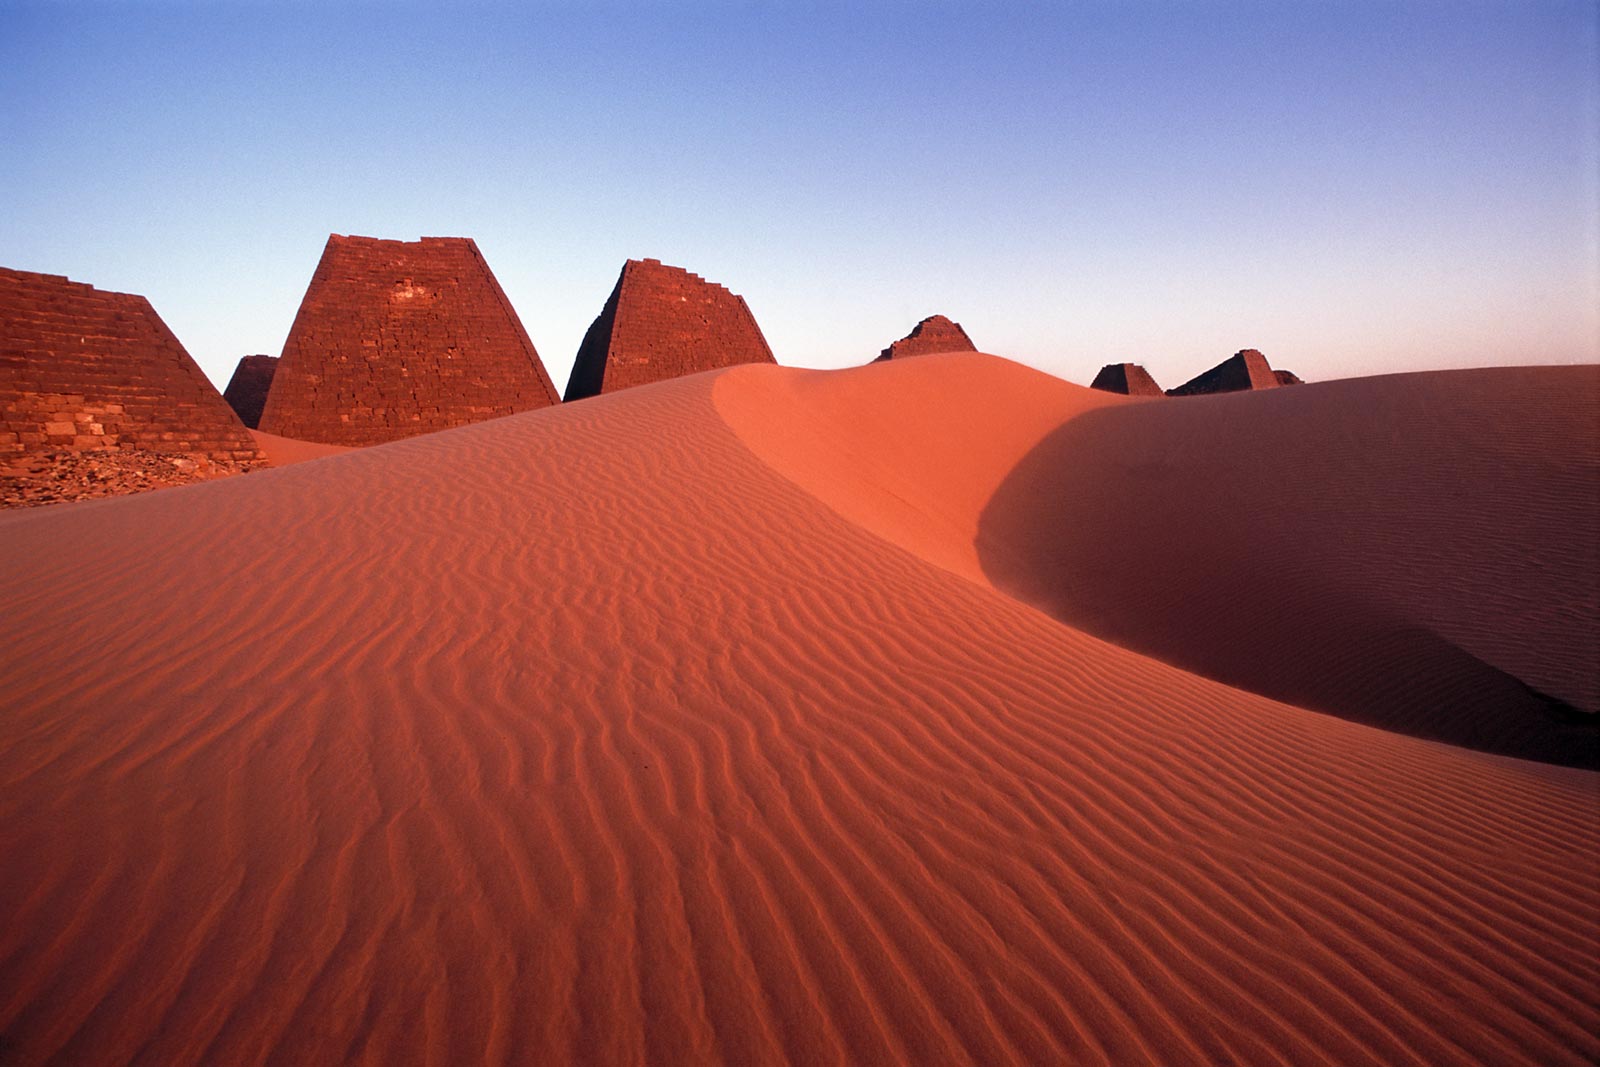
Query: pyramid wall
pixel 1129 378
pixel 398 338
pixel 1239 372
pixel 663 322
pixel 933 334
pixel 247 390
pixel 86 370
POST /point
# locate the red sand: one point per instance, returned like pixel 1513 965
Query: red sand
pixel 1413 550
pixel 594 735
pixel 283 451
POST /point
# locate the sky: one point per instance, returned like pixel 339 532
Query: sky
pixel 1353 188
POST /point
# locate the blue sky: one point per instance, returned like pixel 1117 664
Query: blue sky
pixel 1353 188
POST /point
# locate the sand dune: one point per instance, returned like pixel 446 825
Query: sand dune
pixel 602 734
pixel 1419 551
pixel 283 451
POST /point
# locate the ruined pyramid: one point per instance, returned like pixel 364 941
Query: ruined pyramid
pixel 933 334
pixel 663 322
pixel 397 338
pixel 1241 371
pixel 1129 378
pixel 247 390
pixel 83 370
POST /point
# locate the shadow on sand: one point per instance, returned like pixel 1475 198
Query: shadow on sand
pixel 1184 536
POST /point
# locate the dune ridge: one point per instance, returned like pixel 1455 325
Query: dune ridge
pixel 587 735
pixel 1419 551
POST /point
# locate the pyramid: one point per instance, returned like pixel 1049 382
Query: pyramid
pixel 933 334
pixel 397 338
pixel 247 390
pixel 86 370
pixel 1241 371
pixel 1129 378
pixel 663 322
pixel 1287 377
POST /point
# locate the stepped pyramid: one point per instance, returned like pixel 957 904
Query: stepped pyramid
pixel 247 390
pixel 1129 378
pixel 85 370
pixel 397 338
pixel 1241 371
pixel 933 334
pixel 663 322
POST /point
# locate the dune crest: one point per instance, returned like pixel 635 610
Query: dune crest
pixel 1419 551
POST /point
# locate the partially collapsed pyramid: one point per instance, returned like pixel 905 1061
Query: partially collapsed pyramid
pixel 85 370
pixel 933 334
pixel 662 322
pixel 397 338
pixel 247 390
pixel 1128 378
pixel 1239 372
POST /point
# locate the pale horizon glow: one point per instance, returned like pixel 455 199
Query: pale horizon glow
pixel 1353 189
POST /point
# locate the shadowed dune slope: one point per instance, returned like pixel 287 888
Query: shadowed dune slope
pixel 1419 551
pixel 586 736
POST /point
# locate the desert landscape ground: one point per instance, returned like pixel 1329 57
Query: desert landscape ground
pixel 768 715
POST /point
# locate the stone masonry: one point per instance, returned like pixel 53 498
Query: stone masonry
pixel 663 322
pixel 933 334
pixel 247 389
pixel 82 370
pixel 1129 378
pixel 1241 371
pixel 398 338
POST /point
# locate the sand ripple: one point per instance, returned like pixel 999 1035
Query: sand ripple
pixel 587 736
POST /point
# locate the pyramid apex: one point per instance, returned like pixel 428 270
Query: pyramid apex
pixel 666 322
pixel 936 333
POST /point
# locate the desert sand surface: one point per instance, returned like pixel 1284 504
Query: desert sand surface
pixel 1420 551
pixel 933 712
pixel 283 451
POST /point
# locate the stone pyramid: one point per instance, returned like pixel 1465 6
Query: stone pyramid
pixel 1239 372
pixel 84 370
pixel 247 390
pixel 1129 378
pixel 663 322
pixel 397 338
pixel 933 334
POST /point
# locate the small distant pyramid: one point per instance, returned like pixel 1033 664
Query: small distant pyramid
pixel 85 370
pixel 1241 371
pixel 398 338
pixel 1129 378
pixel 247 390
pixel 662 322
pixel 933 334
pixel 1287 377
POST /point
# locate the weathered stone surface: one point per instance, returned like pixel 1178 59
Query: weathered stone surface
pixel 663 322
pixel 247 389
pixel 1129 378
pixel 397 338
pixel 58 477
pixel 1287 377
pixel 1241 371
pixel 87 371
pixel 933 334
